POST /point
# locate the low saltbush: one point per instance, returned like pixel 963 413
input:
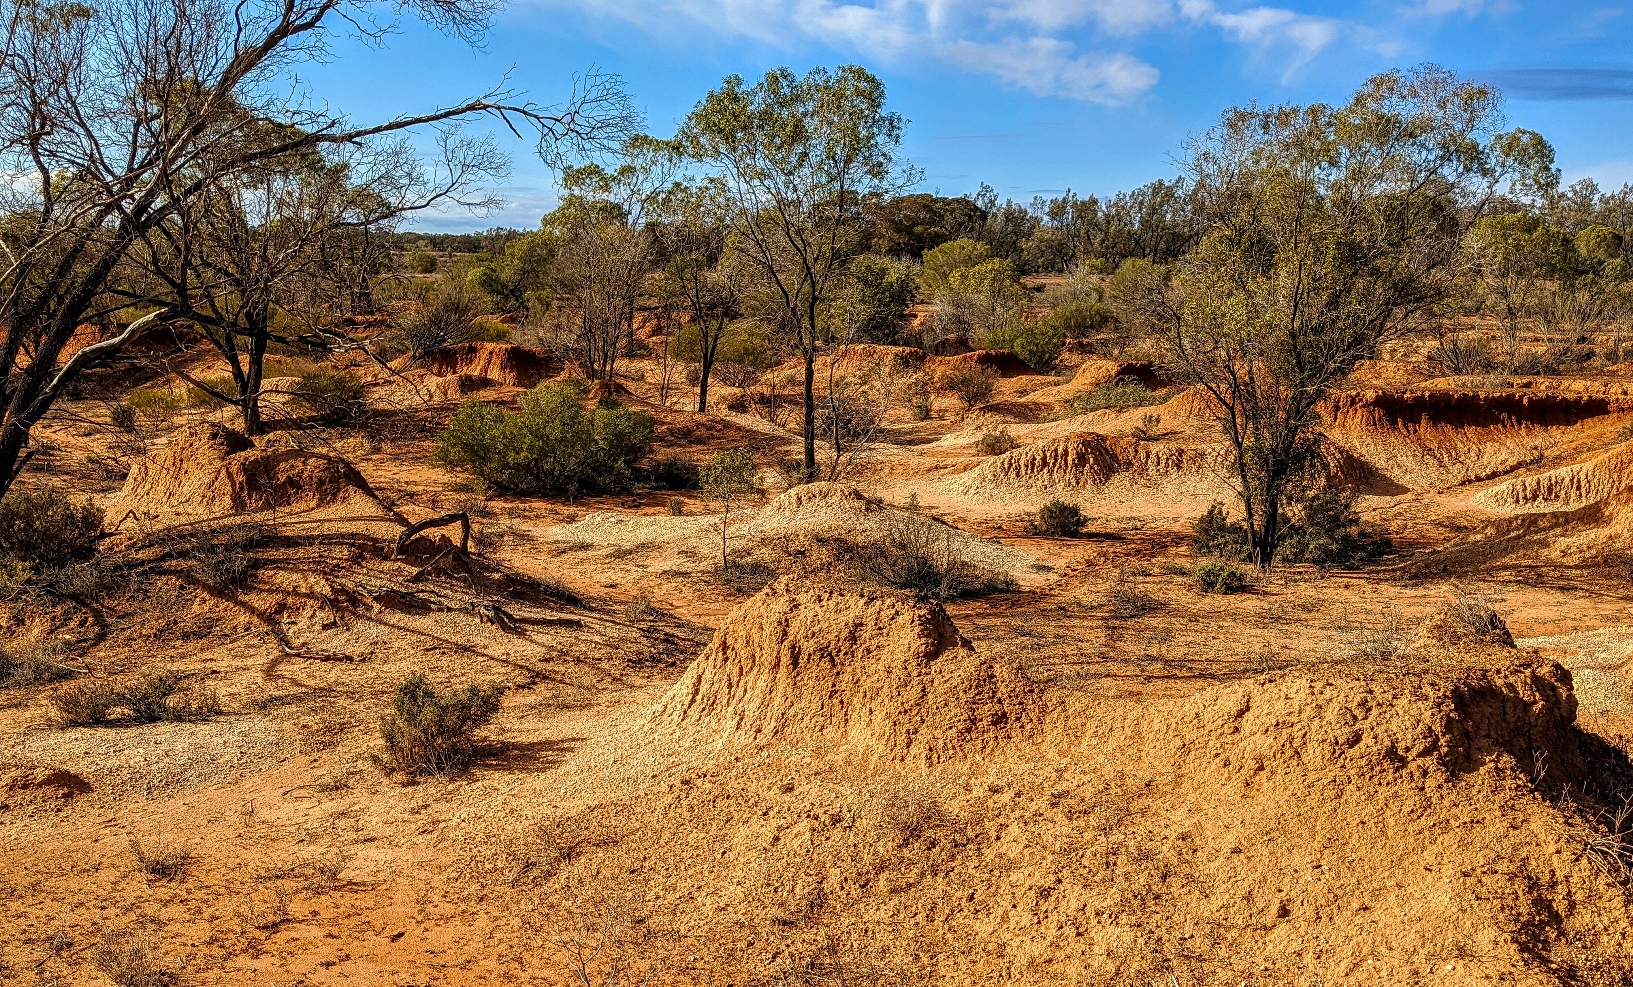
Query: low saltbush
pixel 1219 576
pixel 552 446
pixel 1058 519
pixel 430 732
pixel 43 528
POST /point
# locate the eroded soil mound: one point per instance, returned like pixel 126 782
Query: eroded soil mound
pixel 1085 460
pixel 506 363
pixel 1566 488
pixel 1431 440
pixel 210 470
pixel 880 671
pixel 1004 362
pixel 1381 729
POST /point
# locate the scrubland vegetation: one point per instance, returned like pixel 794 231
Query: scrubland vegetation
pixel 764 572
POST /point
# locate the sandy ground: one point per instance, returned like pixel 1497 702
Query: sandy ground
pixel 1198 789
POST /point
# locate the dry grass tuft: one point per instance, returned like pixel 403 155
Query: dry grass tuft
pixel 165 861
pixel 130 962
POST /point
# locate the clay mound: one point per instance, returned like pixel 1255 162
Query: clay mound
pixel 882 672
pixel 823 496
pixel 208 470
pixel 183 470
pixel 1091 374
pixel 1599 537
pixel 285 480
pixel 1084 460
pixel 506 363
pixel 1433 440
pixel 601 390
pixel 1566 488
pixel 850 359
pixel 1371 729
pixel 1006 363
pixel 1193 402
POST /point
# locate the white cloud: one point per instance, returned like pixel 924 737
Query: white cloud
pixel 1053 68
pixel 1070 48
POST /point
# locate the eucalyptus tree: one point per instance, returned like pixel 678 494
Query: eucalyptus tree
pixel 1328 230
pixel 692 228
pixel 798 157
pixel 114 118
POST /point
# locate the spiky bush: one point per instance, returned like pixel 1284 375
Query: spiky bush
pixel 431 732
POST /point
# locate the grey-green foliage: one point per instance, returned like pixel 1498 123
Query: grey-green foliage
pixel 432 732
pixel 42 528
pixel 552 445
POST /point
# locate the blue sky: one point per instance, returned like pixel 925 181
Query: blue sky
pixel 1030 96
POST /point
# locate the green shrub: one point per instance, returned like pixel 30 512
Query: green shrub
pixel 552 446
pixel 1219 576
pixel 1080 319
pixel 1331 534
pixel 45 528
pixel 156 404
pixel 1059 519
pixel 426 732
pixel 996 443
pixel 421 262
pixel 1039 343
pixel 198 397
pixel 674 473
pixel 1124 392
pixel 1214 533
pixel 329 395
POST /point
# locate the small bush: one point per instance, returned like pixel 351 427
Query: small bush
pixel 677 507
pixel 156 405
pixel 35 663
pixel 165 861
pixel 1038 342
pixel 151 698
pixel 1219 576
pixel 926 556
pixel 1126 601
pixel 130 962
pixel 197 397
pixel 1331 534
pixel 1469 619
pixel 552 446
pixel 421 262
pixel 1124 392
pixel 1215 534
pixel 329 395
pixel 223 556
pixel 46 528
pixel 1146 430
pixel 1463 355
pixel 996 443
pixel 123 416
pixel 84 703
pixel 1058 519
pixel 427 732
pixel 969 382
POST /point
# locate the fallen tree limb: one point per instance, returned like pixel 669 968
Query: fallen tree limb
pixel 460 517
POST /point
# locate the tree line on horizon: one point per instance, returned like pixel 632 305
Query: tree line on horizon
pixel 167 181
